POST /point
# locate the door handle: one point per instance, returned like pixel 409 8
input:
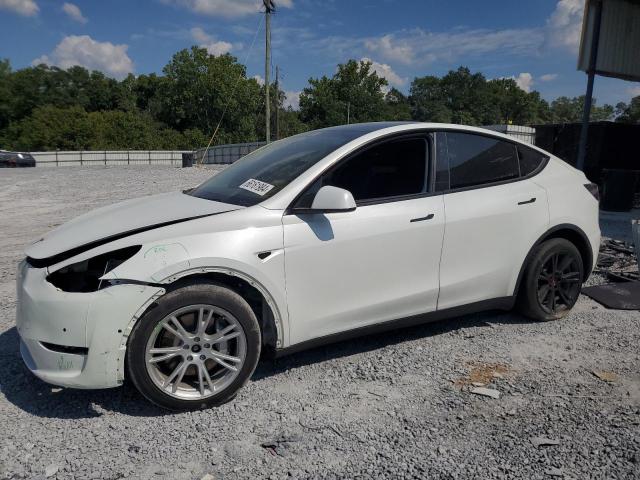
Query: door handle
pixel 421 219
pixel 527 201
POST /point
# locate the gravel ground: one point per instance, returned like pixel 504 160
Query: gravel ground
pixel 396 405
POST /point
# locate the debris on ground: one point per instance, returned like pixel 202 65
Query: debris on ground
pixel 605 376
pixel 554 472
pixel 481 374
pixel 279 444
pixel 616 296
pixel 617 261
pixel 544 442
pixel 485 392
pixel 50 471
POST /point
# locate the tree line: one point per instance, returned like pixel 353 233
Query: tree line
pixel 48 108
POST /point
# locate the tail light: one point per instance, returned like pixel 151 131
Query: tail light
pixel 593 190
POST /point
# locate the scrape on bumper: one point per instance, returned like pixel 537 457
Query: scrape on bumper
pixel 76 339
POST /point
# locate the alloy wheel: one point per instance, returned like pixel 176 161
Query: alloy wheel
pixel 558 282
pixel 195 352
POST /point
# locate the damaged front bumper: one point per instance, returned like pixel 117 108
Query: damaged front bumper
pixel 77 339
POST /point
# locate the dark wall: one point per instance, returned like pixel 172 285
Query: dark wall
pixel 610 145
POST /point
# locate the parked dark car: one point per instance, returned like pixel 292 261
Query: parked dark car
pixel 15 159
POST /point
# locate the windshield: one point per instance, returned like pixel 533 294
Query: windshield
pixel 266 171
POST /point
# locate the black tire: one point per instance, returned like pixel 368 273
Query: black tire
pixel 547 295
pixel 212 294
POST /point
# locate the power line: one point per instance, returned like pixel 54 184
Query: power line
pixel 233 91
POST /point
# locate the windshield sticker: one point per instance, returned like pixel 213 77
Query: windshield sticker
pixel 256 186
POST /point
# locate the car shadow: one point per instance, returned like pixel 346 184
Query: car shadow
pixel 30 394
pixel 269 367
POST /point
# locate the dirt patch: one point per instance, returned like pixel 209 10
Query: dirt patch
pixel 482 374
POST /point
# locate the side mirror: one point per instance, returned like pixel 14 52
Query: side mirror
pixel 333 199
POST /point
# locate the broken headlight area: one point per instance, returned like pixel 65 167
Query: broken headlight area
pixel 85 276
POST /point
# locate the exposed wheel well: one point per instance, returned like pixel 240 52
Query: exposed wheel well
pixel 571 233
pixel 255 299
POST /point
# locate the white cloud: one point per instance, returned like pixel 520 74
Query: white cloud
pixel 74 12
pixel 524 81
pixel 86 52
pixel 28 8
pixel 418 46
pixel 548 77
pixel 385 71
pixel 259 79
pixel 292 99
pixel 226 8
pixel 218 48
pixel 564 26
pixel 213 46
pixel 390 47
pixel 634 91
pixel 199 35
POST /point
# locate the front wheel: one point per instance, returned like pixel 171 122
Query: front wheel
pixel 195 349
pixel 552 281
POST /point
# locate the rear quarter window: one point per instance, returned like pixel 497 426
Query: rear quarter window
pixel 530 160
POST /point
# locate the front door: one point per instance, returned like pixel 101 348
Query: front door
pixel 380 262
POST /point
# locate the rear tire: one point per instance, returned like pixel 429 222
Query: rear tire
pixel 552 281
pixel 195 349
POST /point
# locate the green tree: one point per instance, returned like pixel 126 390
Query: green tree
pixel 114 130
pixel 192 139
pixel 469 98
pixel 569 110
pixel 628 113
pixel 199 87
pixel 397 105
pixel 508 103
pixel 50 127
pixel 428 101
pixel 290 123
pixel 354 94
pixel 5 93
pixel 458 97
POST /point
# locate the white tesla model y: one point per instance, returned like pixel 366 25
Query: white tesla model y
pixel 314 238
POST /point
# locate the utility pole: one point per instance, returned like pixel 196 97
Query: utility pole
pixel 270 7
pixel 277 102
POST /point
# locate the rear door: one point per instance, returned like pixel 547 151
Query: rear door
pixel 377 263
pixel 494 214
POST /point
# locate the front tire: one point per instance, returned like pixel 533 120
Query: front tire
pixel 195 349
pixel 552 281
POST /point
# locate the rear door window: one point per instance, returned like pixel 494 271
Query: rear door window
pixel 478 160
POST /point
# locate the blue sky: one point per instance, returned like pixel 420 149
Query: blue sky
pixel 535 42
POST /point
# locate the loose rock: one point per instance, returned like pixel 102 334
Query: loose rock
pixel 485 392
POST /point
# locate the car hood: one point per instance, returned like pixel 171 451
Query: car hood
pixel 120 220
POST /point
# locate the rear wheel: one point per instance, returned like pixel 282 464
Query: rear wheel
pixel 552 281
pixel 195 349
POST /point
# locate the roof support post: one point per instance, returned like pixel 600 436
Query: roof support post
pixel 588 99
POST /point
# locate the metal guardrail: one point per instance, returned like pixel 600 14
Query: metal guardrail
pixel 219 154
pixel 225 154
pixel 108 157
